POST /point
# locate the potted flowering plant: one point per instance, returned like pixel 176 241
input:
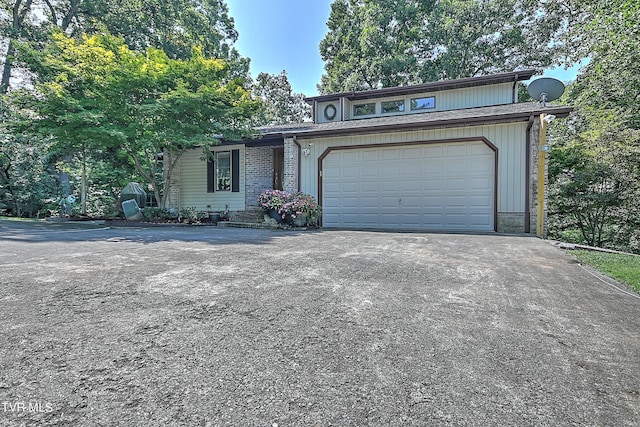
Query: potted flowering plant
pixel 302 209
pixel 272 202
pixel 299 209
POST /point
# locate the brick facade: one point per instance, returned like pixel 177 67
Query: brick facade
pixel 291 153
pixel 259 173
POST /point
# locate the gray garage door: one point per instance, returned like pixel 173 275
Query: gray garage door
pixel 446 186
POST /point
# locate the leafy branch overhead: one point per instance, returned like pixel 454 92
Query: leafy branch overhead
pixel 97 93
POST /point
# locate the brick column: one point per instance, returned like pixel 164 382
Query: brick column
pixel 291 153
pixel 258 174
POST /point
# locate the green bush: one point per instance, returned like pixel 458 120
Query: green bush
pixel 158 214
pixel 191 215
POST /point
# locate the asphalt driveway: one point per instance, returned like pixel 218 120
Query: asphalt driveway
pixel 208 326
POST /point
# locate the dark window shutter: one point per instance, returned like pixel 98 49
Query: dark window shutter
pixel 235 171
pixel 211 176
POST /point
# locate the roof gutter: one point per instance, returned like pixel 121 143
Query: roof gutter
pixel 426 87
pixel 464 121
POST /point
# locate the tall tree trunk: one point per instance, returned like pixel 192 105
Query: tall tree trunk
pixel 6 69
pixel 19 13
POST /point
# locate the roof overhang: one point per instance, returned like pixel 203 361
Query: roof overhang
pixel 493 79
pixel 508 113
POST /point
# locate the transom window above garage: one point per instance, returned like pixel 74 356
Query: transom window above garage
pixel 427 103
pixel 396 106
pixel 364 109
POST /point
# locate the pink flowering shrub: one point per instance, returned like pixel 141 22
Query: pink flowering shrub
pixel 273 200
pixel 290 206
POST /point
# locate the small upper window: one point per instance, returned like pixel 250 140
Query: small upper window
pixel 364 109
pixel 393 106
pixel 423 103
pixel 223 170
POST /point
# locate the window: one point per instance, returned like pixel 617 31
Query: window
pixel 423 103
pixel 223 170
pixel 364 109
pixel 393 106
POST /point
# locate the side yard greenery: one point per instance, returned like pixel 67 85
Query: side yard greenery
pixel 624 268
pixel 594 166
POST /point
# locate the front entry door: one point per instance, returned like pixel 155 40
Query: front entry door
pixel 278 167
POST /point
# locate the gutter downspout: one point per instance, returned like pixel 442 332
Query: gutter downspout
pixel 527 192
pixel 513 90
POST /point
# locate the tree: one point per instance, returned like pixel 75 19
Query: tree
pixel 595 163
pixel 22 20
pixel 170 25
pixel 281 104
pixel 381 43
pixel 97 94
pixel 174 26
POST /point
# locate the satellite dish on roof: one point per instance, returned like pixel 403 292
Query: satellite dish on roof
pixel 546 89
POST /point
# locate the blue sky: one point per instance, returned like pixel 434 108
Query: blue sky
pixel 285 35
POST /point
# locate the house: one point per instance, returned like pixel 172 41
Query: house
pixel 458 155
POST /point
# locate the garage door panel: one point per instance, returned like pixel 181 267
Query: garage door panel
pixel 479 201
pixel 369 186
pixel 390 154
pixel 389 186
pixel 456 150
pixel 409 202
pixel 350 187
pixel 411 169
pixel 370 155
pixel 431 186
pixel 389 202
pixel 411 153
pixel 330 173
pixel 457 184
pixel 456 168
pixel 414 185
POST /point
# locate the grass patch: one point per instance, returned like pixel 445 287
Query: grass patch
pixel 624 268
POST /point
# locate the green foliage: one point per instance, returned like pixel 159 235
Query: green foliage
pixel 281 105
pixel 382 43
pixel 625 268
pixel 594 168
pixel 191 215
pixel 173 26
pixel 97 94
pixel 26 180
pixel 594 175
pixel 158 214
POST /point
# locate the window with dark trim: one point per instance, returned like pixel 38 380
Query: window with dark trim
pixel 223 172
pixel 364 109
pixel 393 106
pixel 222 161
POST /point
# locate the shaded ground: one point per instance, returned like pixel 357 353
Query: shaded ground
pixel 215 327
